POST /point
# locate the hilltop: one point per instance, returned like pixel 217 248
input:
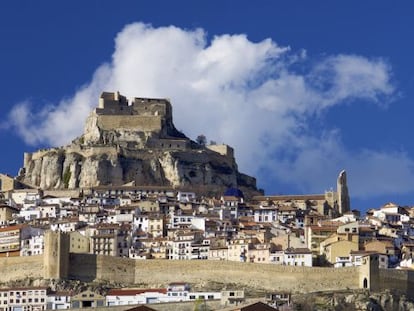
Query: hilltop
pixel 135 143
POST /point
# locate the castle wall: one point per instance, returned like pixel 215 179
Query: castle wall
pixel 132 122
pixel 158 273
pixel 401 281
pixel 18 268
pixel 169 144
pixel 222 149
pixel 91 151
pixel 39 154
pixel 271 277
pixel 115 268
pixel 83 267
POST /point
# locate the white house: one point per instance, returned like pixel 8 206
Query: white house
pixel 185 196
pixel 58 300
pixel 265 213
pixel 121 297
pixel 32 245
pixel 292 257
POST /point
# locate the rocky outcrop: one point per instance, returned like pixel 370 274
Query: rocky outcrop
pixel 141 147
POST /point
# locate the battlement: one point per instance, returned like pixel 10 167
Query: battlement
pixel 115 104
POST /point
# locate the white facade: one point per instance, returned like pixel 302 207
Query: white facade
pixel 32 246
pixel 185 196
pixel 26 197
pixel 120 218
pixel 298 259
pixel 174 293
pixel 27 299
pixel 64 226
pixel 187 221
pixel 141 221
pixel 265 214
pixel 30 213
pixel 58 301
pixel 134 297
pixel 295 257
pixel 49 211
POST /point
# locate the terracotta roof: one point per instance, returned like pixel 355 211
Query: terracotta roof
pixel 10 228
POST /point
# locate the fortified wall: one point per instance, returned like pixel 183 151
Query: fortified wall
pixel 142 114
pixel 57 263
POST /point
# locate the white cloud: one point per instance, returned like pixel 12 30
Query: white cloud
pixel 238 92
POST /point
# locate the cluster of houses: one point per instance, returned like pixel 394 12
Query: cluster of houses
pixel 43 298
pixel 145 223
pixel 161 223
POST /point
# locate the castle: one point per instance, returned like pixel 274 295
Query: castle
pixel 115 115
pixel 134 142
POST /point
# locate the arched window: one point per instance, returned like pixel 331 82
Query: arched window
pixel 365 283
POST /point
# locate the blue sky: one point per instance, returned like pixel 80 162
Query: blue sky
pixel 301 89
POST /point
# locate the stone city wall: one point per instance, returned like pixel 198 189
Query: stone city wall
pixel 159 273
pixel 19 268
pixel 401 281
pixel 264 276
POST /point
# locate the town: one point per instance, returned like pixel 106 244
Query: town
pixel 133 195
pixel 153 223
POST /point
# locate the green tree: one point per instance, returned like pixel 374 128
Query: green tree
pixel 201 140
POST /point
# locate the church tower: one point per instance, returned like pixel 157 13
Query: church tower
pixel 342 193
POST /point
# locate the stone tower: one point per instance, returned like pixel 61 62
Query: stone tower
pixel 342 193
pixel 369 272
pixel 56 255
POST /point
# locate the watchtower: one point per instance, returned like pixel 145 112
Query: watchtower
pixel 56 255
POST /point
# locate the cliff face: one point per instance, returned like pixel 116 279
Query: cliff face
pixel 141 147
pixel 71 168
